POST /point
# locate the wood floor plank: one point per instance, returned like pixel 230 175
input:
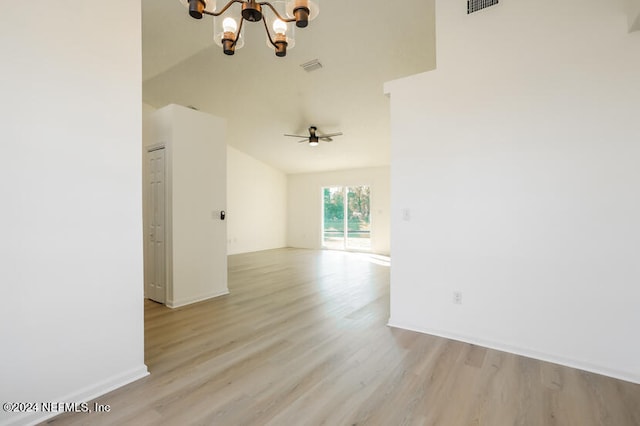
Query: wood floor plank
pixel 302 340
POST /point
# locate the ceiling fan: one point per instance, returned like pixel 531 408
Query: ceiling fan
pixel 314 137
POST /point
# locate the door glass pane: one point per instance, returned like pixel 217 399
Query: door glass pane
pixel 358 218
pixel 333 224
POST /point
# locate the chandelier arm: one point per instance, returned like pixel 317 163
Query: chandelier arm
pixel 238 33
pixel 223 10
pixel 266 28
pixel 275 12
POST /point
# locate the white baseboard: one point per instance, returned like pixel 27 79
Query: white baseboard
pixel 555 359
pixel 82 395
pixel 183 302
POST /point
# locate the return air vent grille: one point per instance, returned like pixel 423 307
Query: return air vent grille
pixel 476 5
pixel 311 65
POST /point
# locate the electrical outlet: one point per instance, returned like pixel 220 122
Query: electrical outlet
pixel 457 297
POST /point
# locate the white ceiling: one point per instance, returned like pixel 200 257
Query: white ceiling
pixel 360 44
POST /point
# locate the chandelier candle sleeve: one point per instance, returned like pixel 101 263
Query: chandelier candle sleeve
pixel 278 13
pixel 197 7
pixel 230 27
pixel 227 32
pixel 281 43
pixel 280 33
pixel 301 13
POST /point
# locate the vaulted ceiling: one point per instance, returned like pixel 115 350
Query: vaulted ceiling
pixel 361 45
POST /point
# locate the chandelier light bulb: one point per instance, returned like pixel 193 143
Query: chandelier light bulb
pixel 229 25
pixel 280 27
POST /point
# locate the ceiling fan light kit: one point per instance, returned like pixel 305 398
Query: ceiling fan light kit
pixel 278 19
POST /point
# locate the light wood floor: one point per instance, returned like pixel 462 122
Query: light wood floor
pixel 302 340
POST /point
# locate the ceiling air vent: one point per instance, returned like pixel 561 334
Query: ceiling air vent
pixel 476 5
pixel 311 65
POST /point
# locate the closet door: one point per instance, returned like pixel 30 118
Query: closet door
pixel 156 276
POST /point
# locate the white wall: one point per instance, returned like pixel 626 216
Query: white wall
pixel 257 204
pixel 304 228
pixel 147 127
pixel 71 322
pixel 196 182
pixel 518 161
pixel 147 140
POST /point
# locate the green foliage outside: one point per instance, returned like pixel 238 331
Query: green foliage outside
pixel 358 212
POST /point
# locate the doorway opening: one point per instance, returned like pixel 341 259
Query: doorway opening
pixel 346 223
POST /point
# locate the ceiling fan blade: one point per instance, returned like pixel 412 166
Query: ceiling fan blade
pixel 304 140
pixel 298 136
pixel 330 135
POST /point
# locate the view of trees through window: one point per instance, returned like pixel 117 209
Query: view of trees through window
pixel 354 216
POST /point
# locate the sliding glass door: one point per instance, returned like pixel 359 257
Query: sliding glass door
pixel 358 218
pixel 347 219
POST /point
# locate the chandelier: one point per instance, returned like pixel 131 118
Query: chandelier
pixel 278 24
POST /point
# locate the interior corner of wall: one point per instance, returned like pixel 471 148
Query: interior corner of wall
pixel 387 88
pixel 634 15
pixel 634 25
pixel 391 86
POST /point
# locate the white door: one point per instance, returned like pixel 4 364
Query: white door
pixel 156 276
